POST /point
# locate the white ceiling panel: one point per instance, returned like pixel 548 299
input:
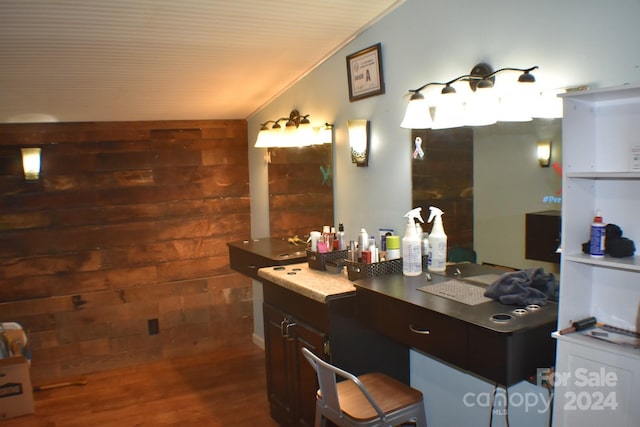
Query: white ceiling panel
pixel 97 60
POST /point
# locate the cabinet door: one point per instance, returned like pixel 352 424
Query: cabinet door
pixel 306 382
pixel 595 388
pixel 278 350
pixel 291 380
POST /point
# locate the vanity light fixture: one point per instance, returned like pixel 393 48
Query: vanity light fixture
pixel 325 134
pixel 296 132
pixel 359 141
pixel 31 163
pixel 544 153
pixel 482 105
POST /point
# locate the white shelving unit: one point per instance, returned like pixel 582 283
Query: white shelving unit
pixel 597 382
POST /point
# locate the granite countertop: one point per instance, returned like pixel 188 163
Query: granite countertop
pixel 314 284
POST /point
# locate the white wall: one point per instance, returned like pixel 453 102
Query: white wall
pixel 508 183
pixel 574 42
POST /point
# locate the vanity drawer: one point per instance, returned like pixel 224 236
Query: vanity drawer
pixel 440 336
pixel 247 263
pixel 248 256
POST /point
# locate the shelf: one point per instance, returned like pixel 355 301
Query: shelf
pixel 629 263
pixel 616 94
pixel 599 128
pixel 604 175
pixel 596 344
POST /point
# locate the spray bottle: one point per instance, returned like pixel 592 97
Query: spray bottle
pixel 412 245
pixel 437 241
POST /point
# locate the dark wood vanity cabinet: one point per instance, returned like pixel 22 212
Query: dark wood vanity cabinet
pixel 291 381
pixel 329 329
pixel 293 321
pixel 460 335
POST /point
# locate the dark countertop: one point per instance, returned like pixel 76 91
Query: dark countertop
pixel 248 256
pixel 277 249
pixel 405 288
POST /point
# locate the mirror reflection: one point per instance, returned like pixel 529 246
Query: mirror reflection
pixel 487 179
pixel 300 190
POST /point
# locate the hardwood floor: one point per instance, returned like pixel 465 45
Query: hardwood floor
pixel 224 388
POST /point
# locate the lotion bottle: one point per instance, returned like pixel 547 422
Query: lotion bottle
pixel 412 245
pixel 437 241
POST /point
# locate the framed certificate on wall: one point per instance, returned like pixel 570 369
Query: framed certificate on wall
pixel 364 71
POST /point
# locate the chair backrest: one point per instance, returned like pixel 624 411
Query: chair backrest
pixel 460 254
pixel 327 383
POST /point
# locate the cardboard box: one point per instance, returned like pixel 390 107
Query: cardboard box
pixel 16 392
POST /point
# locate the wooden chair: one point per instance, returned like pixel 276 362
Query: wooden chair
pixel 373 399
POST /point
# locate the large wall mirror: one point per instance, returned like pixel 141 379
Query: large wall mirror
pixel 442 176
pixel 300 190
pixel 492 180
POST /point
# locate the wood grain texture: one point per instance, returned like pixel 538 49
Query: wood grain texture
pixel 226 387
pixel 444 178
pixel 128 222
pixel 300 190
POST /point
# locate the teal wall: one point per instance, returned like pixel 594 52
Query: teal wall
pixel 574 42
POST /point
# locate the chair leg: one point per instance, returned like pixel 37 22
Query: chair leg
pixel 421 419
pixel 320 421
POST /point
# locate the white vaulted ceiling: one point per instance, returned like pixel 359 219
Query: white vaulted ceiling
pixel 105 60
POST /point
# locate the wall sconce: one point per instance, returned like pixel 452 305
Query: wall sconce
pixel 482 105
pixel 544 153
pixel 31 163
pixel 297 132
pixel 359 141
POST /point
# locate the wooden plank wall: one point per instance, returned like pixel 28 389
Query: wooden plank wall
pixel 300 190
pixel 126 227
pixel 444 178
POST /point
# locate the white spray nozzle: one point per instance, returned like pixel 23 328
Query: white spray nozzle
pixel 434 213
pixel 414 213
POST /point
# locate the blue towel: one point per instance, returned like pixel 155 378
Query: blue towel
pixel 524 287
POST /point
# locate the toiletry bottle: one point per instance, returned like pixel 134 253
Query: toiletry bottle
pixel 393 247
pixel 327 237
pixel 597 241
pixel 437 241
pixel 342 241
pixel 334 235
pixel 363 242
pixel 352 253
pixel 412 245
pixel 373 248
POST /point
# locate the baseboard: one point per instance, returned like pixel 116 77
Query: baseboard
pixel 258 340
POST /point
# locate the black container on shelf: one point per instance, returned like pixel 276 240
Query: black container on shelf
pixel 317 261
pixel 359 270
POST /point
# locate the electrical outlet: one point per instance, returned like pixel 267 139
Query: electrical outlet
pixel 154 326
